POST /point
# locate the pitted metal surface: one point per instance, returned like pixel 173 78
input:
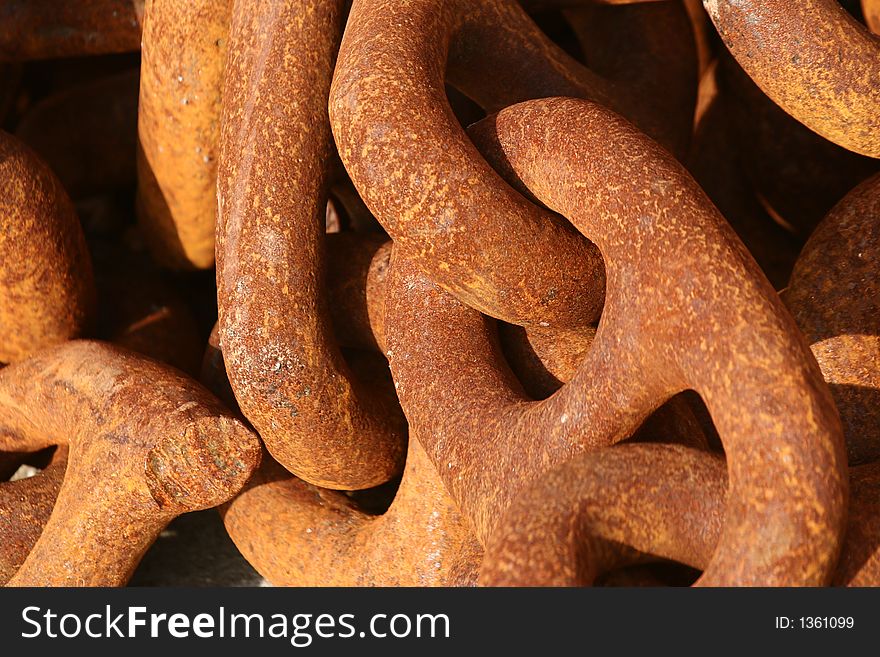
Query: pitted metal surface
pixel 550 292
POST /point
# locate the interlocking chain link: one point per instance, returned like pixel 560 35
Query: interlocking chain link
pixel 506 293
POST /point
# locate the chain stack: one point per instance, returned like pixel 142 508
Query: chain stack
pixel 550 293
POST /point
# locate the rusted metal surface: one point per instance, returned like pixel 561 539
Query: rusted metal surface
pixel 797 174
pixel 184 50
pixel 637 503
pixel 734 343
pixel 682 491
pixel 47 292
pixel 558 366
pixel 440 211
pixel 42 29
pixel 543 361
pixel 357 267
pixel 813 59
pixel 592 504
pixel 834 295
pixel 859 563
pixel 213 371
pixel 25 508
pixel 659 64
pixel 296 534
pixel 145 445
pixel 284 364
pixel 138 313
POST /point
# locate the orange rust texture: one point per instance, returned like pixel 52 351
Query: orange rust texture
pixel 319 536
pixel 658 66
pixel 664 500
pixel 871 11
pixel 43 29
pixel 834 295
pixel 296 534
pixel 289 376
pixel 566 363
pixel 686 307
pixel 357 266
pixel 813 59
pixel 184 50
pixel 608 495
pixel 145 445
pixel 47 292
pixel 637 503
pixel 25 507
pixel 424 180
pixel 561 4
pixel 543 360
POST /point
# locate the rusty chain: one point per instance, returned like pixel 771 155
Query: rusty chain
pixel 494 300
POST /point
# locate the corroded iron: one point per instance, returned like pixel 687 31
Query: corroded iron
pixel 25 508
pixel 859 563
pixel 559 366
pixel 834 295
pixel 574 532
pixel 871 11
pixel 476 236
pixel 184 50
pixel 47 292
pixel 658 65
pixel 296 534
pixel 42 29
pixel 683 491
pixel 637 503
pixel 284 364
pixel 813 59
pixel 711 323
pixel 145 445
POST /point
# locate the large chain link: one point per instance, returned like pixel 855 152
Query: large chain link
pixel 464 249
